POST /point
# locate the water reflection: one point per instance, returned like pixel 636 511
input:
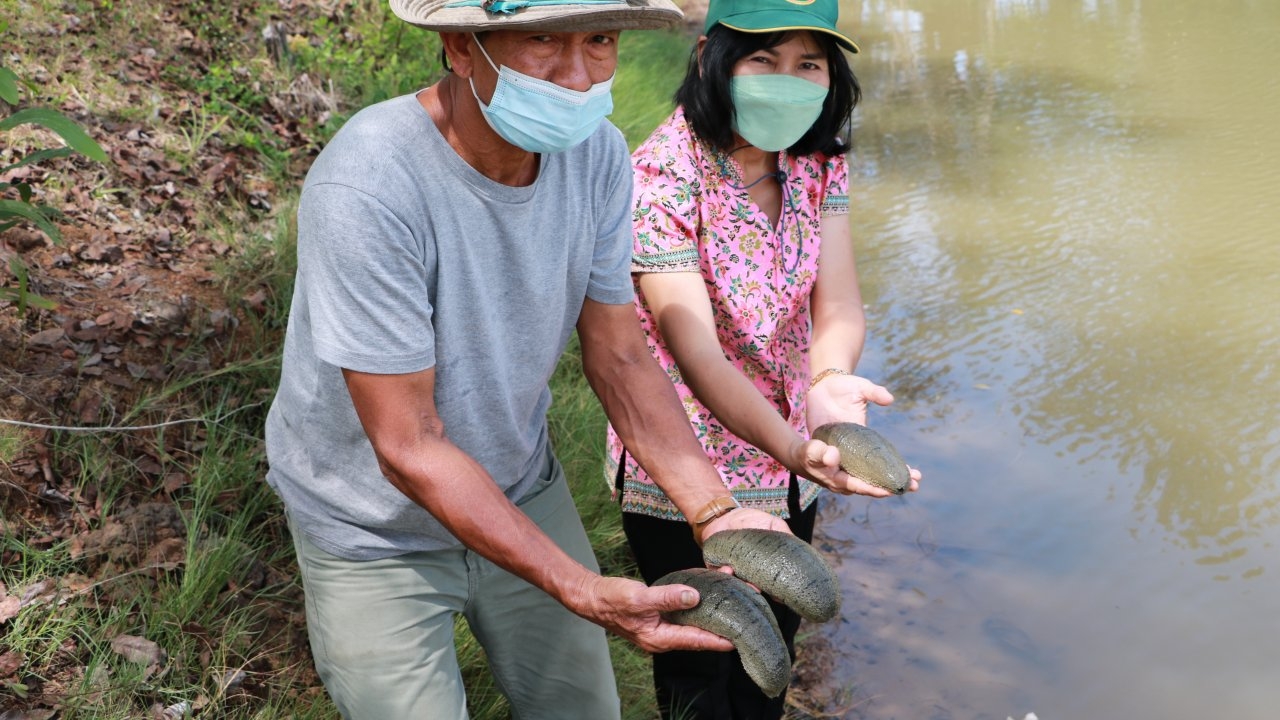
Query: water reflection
pixel 1065 212
pixel 1074 205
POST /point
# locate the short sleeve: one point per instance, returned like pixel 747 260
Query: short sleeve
pixel 610 280
pixel 364 277
pixel 835 196
pixel 665 211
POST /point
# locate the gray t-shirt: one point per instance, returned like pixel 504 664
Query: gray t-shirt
pixel 408 258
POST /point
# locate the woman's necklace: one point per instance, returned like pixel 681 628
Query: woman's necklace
pixel 726 172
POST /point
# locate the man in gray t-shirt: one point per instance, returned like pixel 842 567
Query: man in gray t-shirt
pixel 449 243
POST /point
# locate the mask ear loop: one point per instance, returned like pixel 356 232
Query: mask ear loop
pixel 485 53
pixel 472 80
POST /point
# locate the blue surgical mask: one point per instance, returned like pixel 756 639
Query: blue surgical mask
pixel 772 112
pixel 540 116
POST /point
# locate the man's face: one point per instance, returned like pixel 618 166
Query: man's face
pixel 573 60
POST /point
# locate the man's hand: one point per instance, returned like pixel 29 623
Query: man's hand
pixel 633 611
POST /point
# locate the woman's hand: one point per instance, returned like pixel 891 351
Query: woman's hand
pixel 820 462
pixel 843 398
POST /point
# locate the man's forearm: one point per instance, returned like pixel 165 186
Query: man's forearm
pixel 417 457
pixel 644 409
pixel 472 507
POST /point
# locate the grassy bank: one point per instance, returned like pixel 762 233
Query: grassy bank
pixel 144 568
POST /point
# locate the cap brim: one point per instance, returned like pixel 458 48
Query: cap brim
pixel 774 20
pixel 631 15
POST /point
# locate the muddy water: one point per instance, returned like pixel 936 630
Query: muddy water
pixel 1067 215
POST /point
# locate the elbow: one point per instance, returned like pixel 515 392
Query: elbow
pixel 606 364
pixel 403 456
pixel 394 464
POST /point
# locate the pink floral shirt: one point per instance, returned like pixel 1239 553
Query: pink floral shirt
pixel 690 217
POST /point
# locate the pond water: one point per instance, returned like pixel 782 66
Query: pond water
pixel 1066 214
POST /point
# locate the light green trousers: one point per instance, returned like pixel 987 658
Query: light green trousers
pixel 381 631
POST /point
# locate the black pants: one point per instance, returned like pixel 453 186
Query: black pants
pixel 708 685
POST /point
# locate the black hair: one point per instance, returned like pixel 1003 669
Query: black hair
pixel 708 106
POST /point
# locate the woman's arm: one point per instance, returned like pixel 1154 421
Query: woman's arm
pixel 839 325
pixel 839 333
pixel 643 408
pixel 683 311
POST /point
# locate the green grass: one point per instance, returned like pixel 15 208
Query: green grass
pixel 214 608
pixel 12 441
pixel 227 606
pixel 650 68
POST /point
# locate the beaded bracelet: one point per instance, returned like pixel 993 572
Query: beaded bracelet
pixel 824 374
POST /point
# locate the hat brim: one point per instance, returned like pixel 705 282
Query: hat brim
pixel 567 17
pixel 774 20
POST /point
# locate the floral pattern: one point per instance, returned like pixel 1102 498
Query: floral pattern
pixel 692 213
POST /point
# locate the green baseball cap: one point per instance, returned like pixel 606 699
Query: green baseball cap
pixel 756 16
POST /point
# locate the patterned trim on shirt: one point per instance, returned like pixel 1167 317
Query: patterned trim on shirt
pixel 683 259
pixel 649 500
pixel 835 205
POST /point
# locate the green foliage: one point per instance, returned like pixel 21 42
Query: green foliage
pixel 651 65
pixel 22 295
pixel 369 53
pixel 24 208
pixel 12 441
pixel 8 85
pixel 228 90
pixel 78 139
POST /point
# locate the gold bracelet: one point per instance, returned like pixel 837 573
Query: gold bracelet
pixel 825 374
pixel 722 505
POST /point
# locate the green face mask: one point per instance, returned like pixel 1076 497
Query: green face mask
pixel 772 112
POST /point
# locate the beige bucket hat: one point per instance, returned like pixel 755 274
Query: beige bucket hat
pixel 553 15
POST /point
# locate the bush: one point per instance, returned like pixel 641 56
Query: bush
pixel 24 208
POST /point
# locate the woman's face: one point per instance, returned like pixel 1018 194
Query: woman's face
pixel 799 55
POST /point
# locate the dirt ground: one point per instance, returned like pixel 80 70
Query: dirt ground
pixel 142 297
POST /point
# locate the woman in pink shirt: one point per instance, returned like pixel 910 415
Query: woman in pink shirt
pixel 748 293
